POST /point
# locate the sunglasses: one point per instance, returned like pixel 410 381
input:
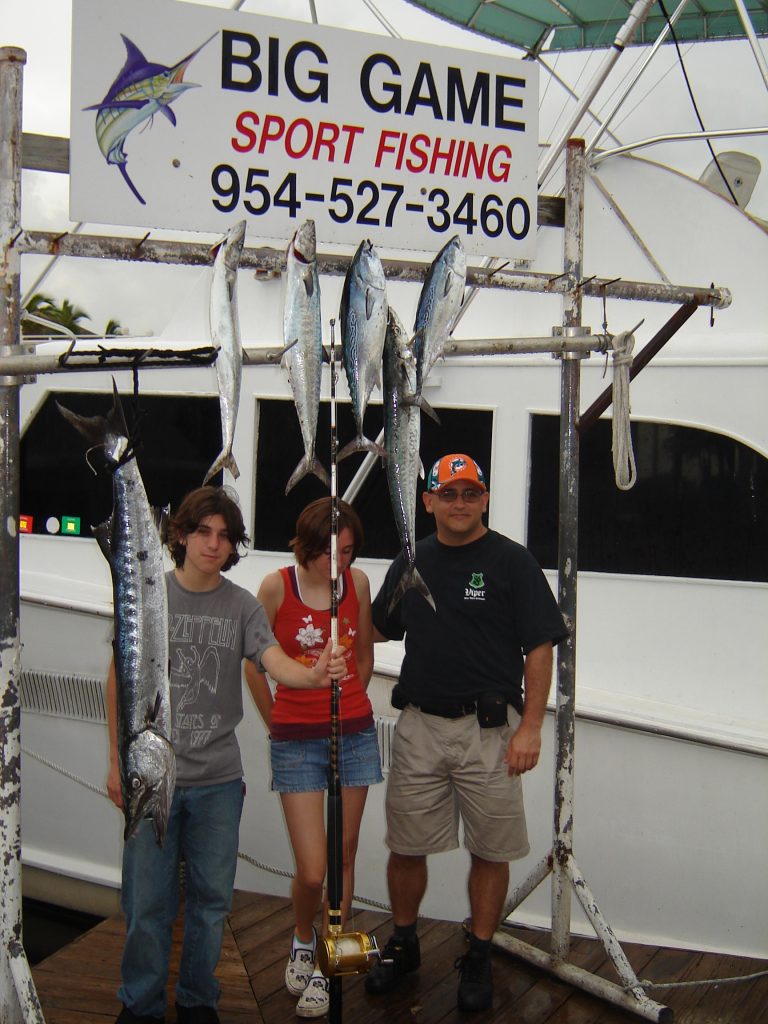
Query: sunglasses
pixel 469 496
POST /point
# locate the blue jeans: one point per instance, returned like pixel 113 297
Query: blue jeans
pixel 203 828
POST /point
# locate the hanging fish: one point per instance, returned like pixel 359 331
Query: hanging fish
pixel 225 334
pixel 439 303
pixel 402 436
pixel 131 542
pixel 363 323
pixel 303 336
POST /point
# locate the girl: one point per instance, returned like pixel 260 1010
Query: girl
pixel 297 602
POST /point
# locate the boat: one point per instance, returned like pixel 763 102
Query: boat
pixel 671 749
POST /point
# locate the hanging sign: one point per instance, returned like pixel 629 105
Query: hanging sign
pixel 189 117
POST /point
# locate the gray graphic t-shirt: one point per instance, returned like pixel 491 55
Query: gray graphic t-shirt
pixel 210 633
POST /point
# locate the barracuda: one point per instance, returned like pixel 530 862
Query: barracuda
pixel 225 334
pixel 131 543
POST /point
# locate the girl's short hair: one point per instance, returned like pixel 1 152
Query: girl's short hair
pixel 313 530
pixel 197 506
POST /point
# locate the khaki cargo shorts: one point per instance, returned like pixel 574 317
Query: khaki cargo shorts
pixel 444 769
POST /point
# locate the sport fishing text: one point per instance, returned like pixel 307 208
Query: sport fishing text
pixel 328 142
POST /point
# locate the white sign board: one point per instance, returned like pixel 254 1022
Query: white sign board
pixel 192 117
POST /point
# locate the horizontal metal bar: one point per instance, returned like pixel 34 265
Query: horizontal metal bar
pixel 596 986
pixel 655 140
pixel 30 364
pixel 267 262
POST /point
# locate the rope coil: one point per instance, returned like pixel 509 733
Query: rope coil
pixel 624 468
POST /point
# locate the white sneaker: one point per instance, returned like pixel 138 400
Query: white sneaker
pixel 314 999
pixel 299 969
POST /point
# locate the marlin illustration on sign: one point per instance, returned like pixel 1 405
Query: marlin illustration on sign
pixel 136 95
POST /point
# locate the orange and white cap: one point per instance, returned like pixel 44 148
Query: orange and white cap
pixel 451 468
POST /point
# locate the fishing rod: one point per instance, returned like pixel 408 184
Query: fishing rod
pixel 338 952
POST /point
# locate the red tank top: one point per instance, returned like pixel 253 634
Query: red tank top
pixel 303 632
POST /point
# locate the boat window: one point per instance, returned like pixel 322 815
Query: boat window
pixel 178 437
pixel 699 508
pixel 280 448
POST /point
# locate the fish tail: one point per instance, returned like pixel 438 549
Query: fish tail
pixel 362 444
pixel 308 465
pixel 224 460
pixel 95 428
pixel 411 580
pixel 131 186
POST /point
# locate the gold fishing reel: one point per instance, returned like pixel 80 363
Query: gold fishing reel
pixel 341 953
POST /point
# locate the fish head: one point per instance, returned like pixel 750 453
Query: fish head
pixel 149 780
pixel 167 83
pixel 232 246
pixel 455 257
pixel 369 279
pixel 304 242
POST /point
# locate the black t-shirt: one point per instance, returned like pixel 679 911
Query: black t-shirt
pixel 494 605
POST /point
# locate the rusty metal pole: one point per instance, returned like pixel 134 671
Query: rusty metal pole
pixel 568 539
pixel 18 998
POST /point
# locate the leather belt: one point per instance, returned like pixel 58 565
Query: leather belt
pixel 446 710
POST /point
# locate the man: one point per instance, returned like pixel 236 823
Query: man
pixel 213 625
pixel 473 691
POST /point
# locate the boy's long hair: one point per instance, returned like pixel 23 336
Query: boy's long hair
pixel 198 505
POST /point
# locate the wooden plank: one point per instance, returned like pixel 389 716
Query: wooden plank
pixel 44 153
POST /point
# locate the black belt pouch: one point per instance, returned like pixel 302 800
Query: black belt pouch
pixel 491 710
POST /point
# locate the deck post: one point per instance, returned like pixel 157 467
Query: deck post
pixel 18 999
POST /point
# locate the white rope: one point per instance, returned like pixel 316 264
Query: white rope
pixel 624 467
pixel 243 856
pixel 63 771
pixel 703 981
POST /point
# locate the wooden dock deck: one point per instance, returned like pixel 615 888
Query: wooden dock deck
pixel 77 984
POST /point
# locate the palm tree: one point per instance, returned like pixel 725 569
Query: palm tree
pixel 68 316
pixel 114 327
pixel 65 315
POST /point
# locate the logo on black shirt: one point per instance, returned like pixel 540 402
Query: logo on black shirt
pixel 475 589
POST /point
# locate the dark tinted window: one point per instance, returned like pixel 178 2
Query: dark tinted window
pixel 280 449
pixel 699 507
pixel 178 437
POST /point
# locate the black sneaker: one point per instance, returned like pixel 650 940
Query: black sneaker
pixel 475 982
pixel 196 1015
pixel 127 1016
pixel 399 957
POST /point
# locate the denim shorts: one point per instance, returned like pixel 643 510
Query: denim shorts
pixel 301 766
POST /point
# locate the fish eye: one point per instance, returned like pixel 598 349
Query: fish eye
pixel 135 782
